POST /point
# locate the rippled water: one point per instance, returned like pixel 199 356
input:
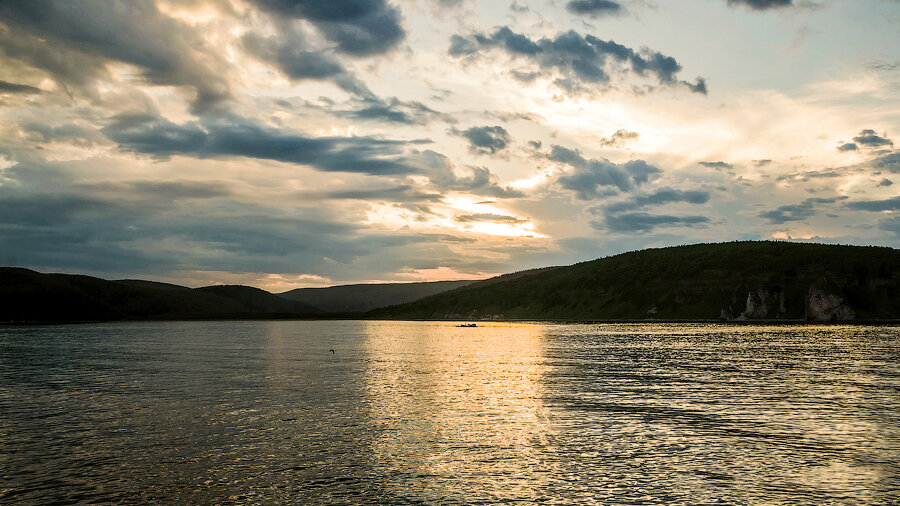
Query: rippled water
pixel 411 412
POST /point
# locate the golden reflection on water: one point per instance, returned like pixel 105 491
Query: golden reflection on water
pixel 459 404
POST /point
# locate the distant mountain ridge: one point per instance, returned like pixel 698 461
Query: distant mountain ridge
pixel 360 298
pixel 30 296
pixel 727 281
pixel 770 280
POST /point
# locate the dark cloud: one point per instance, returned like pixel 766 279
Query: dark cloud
pixel 480 182
pixel 159 233
pixel 717 165
pixel 161 191
pixel 593 8
pixel 885 182
pixel 392 110
pixel 760 5
pixel 848 147
pixel 796 212
pixel 290 52
pixel 892 204
pixel 399 193
pixel 890 163
pixel 240 137
pixel 576 62
pixel 8 87
pixel 486 140
pixel 762 163
pixel 660 197
pixel 869 139
pixel 590 175
pixel 496 218
pixel 619 139
pixel 74 40
pixel 643 222
pixel 357 27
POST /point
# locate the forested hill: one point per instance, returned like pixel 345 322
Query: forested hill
pixel 737 280
pixel 29 296
pixel 364 297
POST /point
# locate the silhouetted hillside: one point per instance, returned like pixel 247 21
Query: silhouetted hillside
pixel 738 280
pixel 363 297
pixel 29 296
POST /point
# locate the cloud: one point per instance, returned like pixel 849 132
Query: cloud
pixel 496 218
pixel 392 110
pixel 590 175
pixel 660 197
pixel 643 222
pixel 73 42
pixel 796 212
pixel 848 147
pixel 480 182
pixel 890 163
pixel 8 87
pixel 717 165
pixel 867 138
pixel 761 5
pixel 240 137
pixel 576 62
pixel 619 139
pixel 486 140
pixel 357 27
pixel 400 193
pixel 75 134
pixel 890 225
pixel 885 182
pixel 892 204
pixel 593 8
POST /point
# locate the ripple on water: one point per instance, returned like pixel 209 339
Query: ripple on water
pixel 411 412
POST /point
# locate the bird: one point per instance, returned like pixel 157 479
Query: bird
pixel 332 351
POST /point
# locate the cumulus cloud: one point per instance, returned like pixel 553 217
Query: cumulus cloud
pixel 486 140
pixel 591 175
pixel 796 212
pixel 869 139
pixel 160 137
pixel 357 27
pixel 480 181
pixel 593 8
pixel 576 62
pixel 619 138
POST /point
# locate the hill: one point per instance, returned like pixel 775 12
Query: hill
pixel 29 296
pixel 738 280
pixel 364 297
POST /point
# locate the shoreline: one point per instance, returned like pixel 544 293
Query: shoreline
pixel 547 321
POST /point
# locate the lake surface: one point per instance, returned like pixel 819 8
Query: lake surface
pixel 413 412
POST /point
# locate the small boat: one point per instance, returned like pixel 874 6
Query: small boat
pixel 467 325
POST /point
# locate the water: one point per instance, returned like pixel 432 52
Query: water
pixel 413 412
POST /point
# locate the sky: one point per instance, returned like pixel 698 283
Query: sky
pixel 298 143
